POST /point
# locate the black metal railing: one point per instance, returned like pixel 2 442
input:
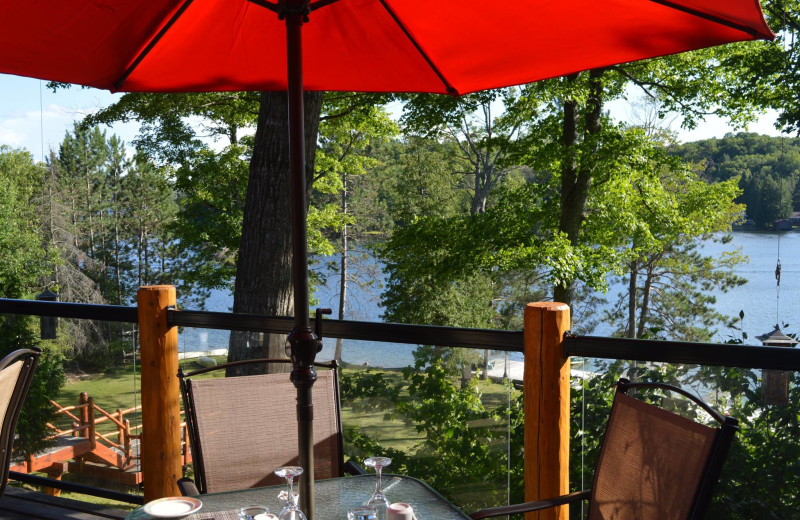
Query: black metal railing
pixel 73 487
pixel 505 340
pixel 677 352
pixel 714 354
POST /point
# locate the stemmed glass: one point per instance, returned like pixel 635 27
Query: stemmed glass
pixel 378 499
pixel 290 511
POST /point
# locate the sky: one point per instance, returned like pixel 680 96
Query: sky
pixel 36 118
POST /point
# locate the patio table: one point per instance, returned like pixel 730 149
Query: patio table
pixel 334 497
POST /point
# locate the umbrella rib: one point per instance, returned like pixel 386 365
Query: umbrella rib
pixel 450 89
pixel 321 3
pixel 142 55
pixel 263 3
pixel 710 17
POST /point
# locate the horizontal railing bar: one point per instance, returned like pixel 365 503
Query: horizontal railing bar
pixel 505 340
pixel 712 354
pixel 88 311
pixel 76 488
pixel 229 321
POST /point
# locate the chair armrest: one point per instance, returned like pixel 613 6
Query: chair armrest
pixel 351 468
pixel 188 487
pixel 531 506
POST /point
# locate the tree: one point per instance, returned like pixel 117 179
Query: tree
pixel 24 266
pixel 81 158
pixel 263 270
pixel 668 278
pixel 347 131
pixel 149 210
pixel 770 72
pixel 693 84
pixel 481 140
pixel 262 258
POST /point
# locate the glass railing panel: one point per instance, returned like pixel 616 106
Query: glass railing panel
pixel 437 419
pixel 96 413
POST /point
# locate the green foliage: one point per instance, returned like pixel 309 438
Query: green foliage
pixel 760 477
pixel 23 266
pixel 211 188
pixel 417 179
pixel 459 453
pixel 768 72
pixel 768 169
pixel 662 213
pixel 24 262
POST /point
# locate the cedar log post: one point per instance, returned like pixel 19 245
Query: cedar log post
pixel 161 420
pixel 546 400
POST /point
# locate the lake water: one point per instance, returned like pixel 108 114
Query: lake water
pixel 763 303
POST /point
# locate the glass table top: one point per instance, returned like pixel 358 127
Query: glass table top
pixel 334 497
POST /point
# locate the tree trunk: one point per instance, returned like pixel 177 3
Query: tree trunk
pixel 576 177
pixel 648 286
pixel 263 274
pixel 571 209
pixel 343 271
pixel 631 329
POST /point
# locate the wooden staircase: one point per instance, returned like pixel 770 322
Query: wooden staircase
pixel 110 452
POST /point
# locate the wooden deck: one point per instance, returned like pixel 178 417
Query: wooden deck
pixel 22 504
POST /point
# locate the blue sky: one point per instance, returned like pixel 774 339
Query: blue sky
pixel 35 118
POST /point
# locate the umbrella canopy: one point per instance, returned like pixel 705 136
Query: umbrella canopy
pixel 439 46
pixel 442 46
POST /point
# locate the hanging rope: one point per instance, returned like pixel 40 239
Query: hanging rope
pixel 41 119
pixel 782 173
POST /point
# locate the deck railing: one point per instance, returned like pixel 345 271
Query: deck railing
pixel 545 342
pixel 89 415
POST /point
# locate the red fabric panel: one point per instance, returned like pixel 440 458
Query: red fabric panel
pixel 351 44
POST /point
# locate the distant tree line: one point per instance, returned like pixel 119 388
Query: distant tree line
pixel 768 170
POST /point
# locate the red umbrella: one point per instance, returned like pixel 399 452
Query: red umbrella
pixel 442 46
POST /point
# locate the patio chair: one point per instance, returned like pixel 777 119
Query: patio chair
pixel 242 428
pixel 16 373
pixel 653 463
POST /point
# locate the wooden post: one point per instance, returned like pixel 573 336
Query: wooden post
pixel 120 439
pixel 55 471
pixel 161 442
pixel 92 430
pixel 83 401
pixel 546 399
pixel 127 443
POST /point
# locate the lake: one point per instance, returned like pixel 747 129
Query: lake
pixel 763 304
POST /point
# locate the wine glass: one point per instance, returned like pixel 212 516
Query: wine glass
pixel 378 499
pixel 290 511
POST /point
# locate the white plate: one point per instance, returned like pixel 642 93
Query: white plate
pixel 172 507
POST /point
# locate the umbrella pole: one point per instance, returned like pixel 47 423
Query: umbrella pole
pixel 302 340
